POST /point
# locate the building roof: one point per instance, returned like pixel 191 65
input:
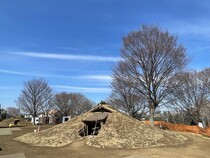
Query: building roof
pixel 105 107
pixel 53 111
pixel 97 116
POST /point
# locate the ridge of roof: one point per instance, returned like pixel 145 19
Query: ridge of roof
pixel 105 106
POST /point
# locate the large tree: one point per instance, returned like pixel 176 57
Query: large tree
pixel 192 94
pixel 151 57
pixel 125 97
pixel 64 103
pixel 82 104
pixel 71 103
pixel 35 97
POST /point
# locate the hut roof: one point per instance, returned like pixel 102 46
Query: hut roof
pixel 52 112
pixel 97 116
pixel 105 107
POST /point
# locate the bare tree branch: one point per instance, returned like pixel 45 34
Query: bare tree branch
pixel 151 57
pixel 35 97
pixel 192 96
pixel 71 103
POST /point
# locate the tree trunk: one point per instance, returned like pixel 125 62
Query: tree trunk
pixel 203 122
pixel 151 119
pixel 34 120
pixel 208 122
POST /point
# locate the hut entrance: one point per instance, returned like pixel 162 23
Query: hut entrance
pixel 16 122
pixel 93 124
pixel 2 147
pixel 92 128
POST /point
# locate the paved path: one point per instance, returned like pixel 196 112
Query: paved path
pixel 20 155
pixel 8 131
pixel 5 131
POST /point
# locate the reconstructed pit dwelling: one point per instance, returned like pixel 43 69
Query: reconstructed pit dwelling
pixel 104 127
pixel 94 122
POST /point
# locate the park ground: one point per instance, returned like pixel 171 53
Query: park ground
pixel 196 146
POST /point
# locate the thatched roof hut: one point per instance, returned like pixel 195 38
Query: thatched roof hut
pixel 94 122
pixel 108 129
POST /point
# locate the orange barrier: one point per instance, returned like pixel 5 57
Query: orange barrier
pixel 181 127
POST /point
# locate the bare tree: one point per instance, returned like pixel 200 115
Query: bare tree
pixel 125 97
pixel 151 57
pixel 64 103
pixel 192 96
pixel 35 97
pixel 81 104
pixel 13 111
pixel 71 103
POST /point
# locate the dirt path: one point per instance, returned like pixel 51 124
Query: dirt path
pixel 196 146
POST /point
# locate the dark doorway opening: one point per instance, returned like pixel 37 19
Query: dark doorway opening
pixel 90 128
pixel 93 124
pixel 16 122
pixel 2 147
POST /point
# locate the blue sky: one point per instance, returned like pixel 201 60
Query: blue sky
pixel 74 44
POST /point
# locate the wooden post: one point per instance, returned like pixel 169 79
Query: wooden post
pixel 84 130
pixel 94 128
pixel 87 130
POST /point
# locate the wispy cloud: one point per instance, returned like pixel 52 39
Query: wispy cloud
pixel 31 74
pixel 98 77
pixel 196 28
pixel 16 72
pixel 82 89
pixel 70 57
pixel 199 49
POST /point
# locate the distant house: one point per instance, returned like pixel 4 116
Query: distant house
pixel 30 118
pixel 43 119
pixel 51 117
pixel 55 116
pixel 36 120
pixel 66 118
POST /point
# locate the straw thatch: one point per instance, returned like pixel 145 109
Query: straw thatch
pixel 119 131
pixel 97 116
